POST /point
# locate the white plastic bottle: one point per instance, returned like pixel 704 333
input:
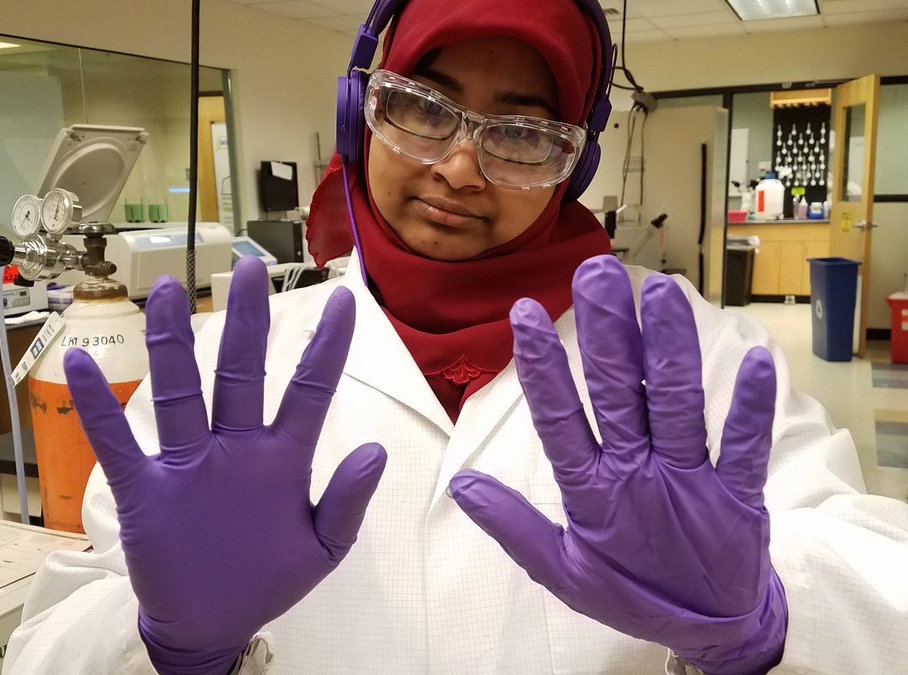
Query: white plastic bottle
pixel 770 196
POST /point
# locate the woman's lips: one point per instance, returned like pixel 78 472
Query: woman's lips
pixel 445 212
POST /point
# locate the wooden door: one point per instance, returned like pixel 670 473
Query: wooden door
pixel 851 218
pixel 211 109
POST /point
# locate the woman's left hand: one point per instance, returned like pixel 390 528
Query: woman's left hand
pixel 660 544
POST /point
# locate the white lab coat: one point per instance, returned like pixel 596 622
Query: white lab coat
pixel 424 590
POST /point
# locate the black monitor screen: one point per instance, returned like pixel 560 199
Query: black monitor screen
pixel 278 186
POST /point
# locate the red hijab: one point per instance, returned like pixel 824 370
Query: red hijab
pixel 453 316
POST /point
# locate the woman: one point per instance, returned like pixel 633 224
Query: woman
pixel 218 532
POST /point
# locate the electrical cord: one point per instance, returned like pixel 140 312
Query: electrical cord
pixel 623 68
pixel 632 116
pixel 625 167
pixel 193 158
pixel 643 151
pixel 15 427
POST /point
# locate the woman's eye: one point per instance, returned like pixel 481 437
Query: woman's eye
pixel 431 108
pixel 519 133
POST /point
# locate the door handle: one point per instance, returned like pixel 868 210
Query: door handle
pixel 864 225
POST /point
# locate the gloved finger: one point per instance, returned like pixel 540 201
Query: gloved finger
pixel 175 385
pixel 103 420
pixel 532 540
pixel 341 510
pixel 612 352
pixel 306 400
pixel 747 437
pixel 673 371
pixel 239 383
pixel 555 406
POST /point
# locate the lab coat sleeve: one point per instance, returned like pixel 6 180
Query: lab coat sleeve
pixel 841 554
pixel 81 615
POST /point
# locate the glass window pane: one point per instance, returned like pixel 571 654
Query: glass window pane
pixel 853 174
pixel 892 141
pixel 45 87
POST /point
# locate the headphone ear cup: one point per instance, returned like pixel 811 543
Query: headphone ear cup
pixel 585 170
pixel 351 95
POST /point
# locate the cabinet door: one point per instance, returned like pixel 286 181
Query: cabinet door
pixel 766 269
pixel 791 269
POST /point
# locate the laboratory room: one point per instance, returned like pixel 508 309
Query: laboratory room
pixel 496 336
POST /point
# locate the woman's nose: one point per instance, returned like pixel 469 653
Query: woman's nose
pixel 461 168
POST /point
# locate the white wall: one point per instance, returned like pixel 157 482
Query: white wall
pixel 284 72
pixel 826 54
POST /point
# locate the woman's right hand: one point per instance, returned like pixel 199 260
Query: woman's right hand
pixel 218 530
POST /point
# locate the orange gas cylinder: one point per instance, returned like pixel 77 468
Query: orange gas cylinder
pixel 104 323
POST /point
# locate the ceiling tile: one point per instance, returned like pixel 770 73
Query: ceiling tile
pixel 647 36
pixel 867 17
pixel 711 18
pixel 648 20
pixel 663 8
pixel 705 31
pixel 347 23
pixel 358 7
pixel 776 25
pixel 829 8
pixel 632 25
pixel 297 9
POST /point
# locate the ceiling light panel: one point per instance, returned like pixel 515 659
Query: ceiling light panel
pixel 758 10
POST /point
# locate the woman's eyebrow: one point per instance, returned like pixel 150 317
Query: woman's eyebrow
pixel 441 79
pixel 508 97
pixel 527 100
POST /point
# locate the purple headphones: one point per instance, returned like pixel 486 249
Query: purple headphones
pixel 351 91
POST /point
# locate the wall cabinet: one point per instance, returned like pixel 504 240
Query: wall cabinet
pixel 780 263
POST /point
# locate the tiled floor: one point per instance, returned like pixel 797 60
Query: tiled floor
pixel 868 396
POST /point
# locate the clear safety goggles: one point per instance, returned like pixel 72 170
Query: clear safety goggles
pixel 514 151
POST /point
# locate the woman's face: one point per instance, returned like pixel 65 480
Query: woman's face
pixel 448 210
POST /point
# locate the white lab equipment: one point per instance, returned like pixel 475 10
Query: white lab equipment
pixel 24 299
pixel 92 161
pixel 141 256
pixel 243 245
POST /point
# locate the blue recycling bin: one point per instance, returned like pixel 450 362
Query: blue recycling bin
pixel 833 290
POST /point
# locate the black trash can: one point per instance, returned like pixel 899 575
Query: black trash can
pixel 833 290
pixel 739 272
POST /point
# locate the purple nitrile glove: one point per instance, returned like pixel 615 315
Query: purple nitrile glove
pixel 219 532
pixel 660 544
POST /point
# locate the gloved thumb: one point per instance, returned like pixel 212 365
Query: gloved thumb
pixel 341 510
pixel 532 540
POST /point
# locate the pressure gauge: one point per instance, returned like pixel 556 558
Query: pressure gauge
pixel 61 209
pixel 27 215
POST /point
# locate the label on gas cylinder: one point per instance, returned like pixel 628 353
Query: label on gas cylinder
pixel 45 336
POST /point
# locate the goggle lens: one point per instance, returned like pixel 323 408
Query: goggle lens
pixel 514 151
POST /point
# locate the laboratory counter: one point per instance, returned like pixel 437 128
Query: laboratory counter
pixel 780 262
